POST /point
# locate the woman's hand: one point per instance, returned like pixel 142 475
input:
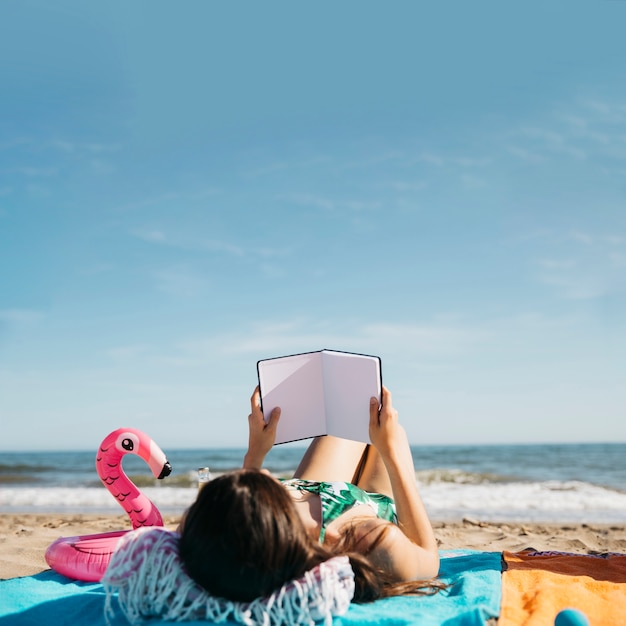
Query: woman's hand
pixel 386 434
pixel 262 435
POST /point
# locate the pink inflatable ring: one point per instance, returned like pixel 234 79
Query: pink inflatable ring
pixel 86 557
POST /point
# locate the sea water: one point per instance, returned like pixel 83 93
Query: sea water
pixel 534 483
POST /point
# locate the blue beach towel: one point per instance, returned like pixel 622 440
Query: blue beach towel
pixel 472 599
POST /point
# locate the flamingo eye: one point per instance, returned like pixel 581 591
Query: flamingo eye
pixel 127 442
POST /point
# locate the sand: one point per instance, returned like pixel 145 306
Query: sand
pixel 24 538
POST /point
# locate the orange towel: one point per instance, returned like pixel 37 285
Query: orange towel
pixel 537 585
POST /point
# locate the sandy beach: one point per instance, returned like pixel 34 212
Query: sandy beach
pixel 25 537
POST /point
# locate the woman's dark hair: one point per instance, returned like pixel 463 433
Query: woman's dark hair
pixel 243 539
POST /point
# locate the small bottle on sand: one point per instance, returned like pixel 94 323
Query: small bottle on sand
pixel 204 476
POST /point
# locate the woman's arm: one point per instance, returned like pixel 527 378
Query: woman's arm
pixel 413 553
pixel 262 435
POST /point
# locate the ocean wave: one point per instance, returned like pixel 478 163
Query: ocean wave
pixel 458 476
pixel 548 501
pixel 570 501
pixel 88 499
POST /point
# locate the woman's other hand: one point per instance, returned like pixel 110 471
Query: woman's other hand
pixel 386 433
pixel 262 435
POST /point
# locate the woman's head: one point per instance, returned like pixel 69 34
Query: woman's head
pixel 243 538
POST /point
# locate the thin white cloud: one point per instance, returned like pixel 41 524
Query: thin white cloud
pixel 575 287
pixel 95 270
pixel 471 162
pixel 616 240
pixel 305 199
pixel 102 167
pixel 258 341
pixel 180 198
pixel 604 110
pixel 196 243
pixel 275 338
pixel 304 334
pixel 618 259
pixel 181 282
pixel 20 316
pixel 215 245
pixel 446 344
pixel 294 164
pixel 38 191
pixel 33 172
pixel 463 162
pixel 272 253
pixel 473 182
pixel 432 159
pixel 15 143
pixel 549 142
pixel 193 242
pixel 152 235
pixel 525 154
pixel 272 271
pixel 581 237
pixel 435 338
pixel 592 265
pixel 557 264
pixel 60 145
pixel 376 158
pixel 406 185
pixel 81 147
pixel 127 352
pixel 329 204
pixel 543 135
pixel 591 129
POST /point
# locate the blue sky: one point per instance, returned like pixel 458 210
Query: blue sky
pixel 188 188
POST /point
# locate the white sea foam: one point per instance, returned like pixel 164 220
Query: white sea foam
pixel 550 501
pixel 533 501
pixel 88 499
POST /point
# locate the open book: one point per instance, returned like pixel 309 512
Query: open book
pixel 320 393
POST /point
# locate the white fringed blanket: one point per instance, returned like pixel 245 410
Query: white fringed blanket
pixel 147 575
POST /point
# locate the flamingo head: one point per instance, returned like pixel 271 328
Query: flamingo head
pixel 133 441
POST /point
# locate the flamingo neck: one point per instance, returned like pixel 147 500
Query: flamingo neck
pixel 139 508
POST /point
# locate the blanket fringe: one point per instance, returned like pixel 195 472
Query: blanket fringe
pixel 149 580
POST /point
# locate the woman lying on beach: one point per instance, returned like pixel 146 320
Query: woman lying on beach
pixel 346 498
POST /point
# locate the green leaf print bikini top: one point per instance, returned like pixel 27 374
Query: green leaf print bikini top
pixel 338 497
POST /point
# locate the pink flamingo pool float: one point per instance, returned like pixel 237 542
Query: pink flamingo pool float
pixel 86 557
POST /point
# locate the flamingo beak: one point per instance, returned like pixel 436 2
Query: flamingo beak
pixel 158 463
